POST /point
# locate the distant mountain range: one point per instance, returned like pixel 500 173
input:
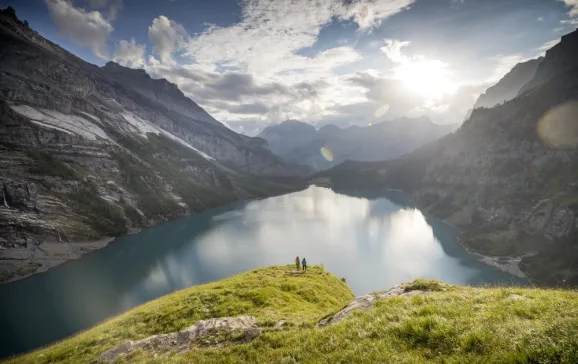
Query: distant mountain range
pixel 508 178
pixel 89 152
pixel 301 143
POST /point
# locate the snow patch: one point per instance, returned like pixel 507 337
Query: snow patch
pixel 142 127
pixel 95 118
pixel 70 124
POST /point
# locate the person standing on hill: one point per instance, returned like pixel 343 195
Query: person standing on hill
pixel 304 264
pixel 297 263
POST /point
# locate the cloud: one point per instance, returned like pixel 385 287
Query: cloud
pixel 279 29
pixel 234 71
pixel 505 64
pixel 573 5
pixel 130 54
pixel 370 14
pixel 573 11
pixel 112 6
pixel 544 47
pixel 84 28
pixel 167 37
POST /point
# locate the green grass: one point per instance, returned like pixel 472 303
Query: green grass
pixel 451 324
pixel 268 294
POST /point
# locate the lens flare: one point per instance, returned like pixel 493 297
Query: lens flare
pixel 558 127
pixel 383 109
pixel 327 153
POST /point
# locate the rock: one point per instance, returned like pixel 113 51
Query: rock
pixel 117 351
pixel 251 334
pixel 205 333
pixel 366 302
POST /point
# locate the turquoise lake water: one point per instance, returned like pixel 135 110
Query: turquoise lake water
pixel 373 240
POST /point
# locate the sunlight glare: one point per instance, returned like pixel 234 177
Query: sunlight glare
pixel 429 78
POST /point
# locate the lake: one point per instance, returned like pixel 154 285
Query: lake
pixel 374 240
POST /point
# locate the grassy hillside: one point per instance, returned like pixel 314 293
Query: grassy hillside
pixel 450 324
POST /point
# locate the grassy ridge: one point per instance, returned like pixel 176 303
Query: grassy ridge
pixel 268 294
pixel 450 324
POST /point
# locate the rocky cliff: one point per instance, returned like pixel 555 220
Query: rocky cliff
pixel 508 177
pixel 90 152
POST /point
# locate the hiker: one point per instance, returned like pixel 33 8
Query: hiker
pixel 297 264
pixel 304 264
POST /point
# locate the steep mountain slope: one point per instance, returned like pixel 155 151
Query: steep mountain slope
pixel 510 85
pixel 560 58
pixel 380 141
pixel 268 316
pixel 508 177
pixel 90 152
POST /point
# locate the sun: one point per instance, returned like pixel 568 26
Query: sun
pixel 428 78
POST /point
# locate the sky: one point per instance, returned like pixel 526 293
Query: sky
pixel 254 63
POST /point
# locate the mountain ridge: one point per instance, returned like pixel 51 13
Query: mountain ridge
pixel 506 178
pixel 315 317
pixel 379 141
pixel 87 156
pixel 509 85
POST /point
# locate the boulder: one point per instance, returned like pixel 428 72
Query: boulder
pixel 212 332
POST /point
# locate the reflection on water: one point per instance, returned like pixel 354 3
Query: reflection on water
pixel 375 243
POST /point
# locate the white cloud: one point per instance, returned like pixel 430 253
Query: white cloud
pixel 130 54
pixel 252 73
pixel 85 28
pixel 505 64
pixel 167 37
pixel 256 61
pixel 573 11
pixel 573 5
pixel 112 7
pixel 369 14
pixel 544 47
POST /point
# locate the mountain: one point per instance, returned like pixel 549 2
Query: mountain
pixel 510 85
pixel 268 316
pixel 560 58
pixel 508 178
pixel 302 143
pixel 90 152
pixel 288 135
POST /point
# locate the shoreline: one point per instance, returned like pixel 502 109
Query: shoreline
pixel 508 263
pixel 23 263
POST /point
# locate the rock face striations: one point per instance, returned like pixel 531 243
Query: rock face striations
pixel 508 178
pixel 89 152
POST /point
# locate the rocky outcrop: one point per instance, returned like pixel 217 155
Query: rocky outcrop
pixel 207 333
pixel 90 152
pixel 368 301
